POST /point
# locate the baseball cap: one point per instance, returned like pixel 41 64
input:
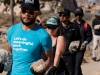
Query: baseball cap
pixel 97 13
pixel 32 4
pixel 53 21
pixel 79 11
pixel 64 11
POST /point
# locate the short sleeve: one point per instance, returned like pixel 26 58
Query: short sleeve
pixel 46 42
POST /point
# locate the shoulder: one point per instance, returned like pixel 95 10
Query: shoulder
pixel 95 19
pixel 42 33
pixel 14 26
pixel 61 38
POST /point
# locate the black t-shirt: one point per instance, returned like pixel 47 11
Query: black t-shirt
pixel 96 22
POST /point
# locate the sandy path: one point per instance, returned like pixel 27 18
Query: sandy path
pixel 91 68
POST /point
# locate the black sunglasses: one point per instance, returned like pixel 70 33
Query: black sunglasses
pixel 78 14
pixel 31 12
pixel 49 27
pixel 63 15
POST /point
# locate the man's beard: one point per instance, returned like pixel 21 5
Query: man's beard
pixel 28 23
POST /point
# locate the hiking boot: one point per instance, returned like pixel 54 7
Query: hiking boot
pixel 98 60
pixel 94 58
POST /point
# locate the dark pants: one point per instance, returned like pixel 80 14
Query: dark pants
pixel 78 61
pixel 69 67
pixel 61 69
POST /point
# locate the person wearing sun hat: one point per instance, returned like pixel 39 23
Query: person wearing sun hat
pixel 96 36
pixel 27 40
pixel 58 44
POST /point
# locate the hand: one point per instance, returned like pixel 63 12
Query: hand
pixel 74 46
pixel 83 45
pixel 36 73
pixel 52 70
pixel 97 27
pixel 73 49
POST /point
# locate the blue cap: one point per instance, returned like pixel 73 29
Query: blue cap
pixel 53 21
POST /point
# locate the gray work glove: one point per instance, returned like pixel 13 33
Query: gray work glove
pixel 83 45
pixel 96 27
pixel 73 47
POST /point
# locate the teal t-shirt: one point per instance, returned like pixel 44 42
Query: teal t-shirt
pixel 27 46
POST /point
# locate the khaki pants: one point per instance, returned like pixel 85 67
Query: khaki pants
pixel 96 43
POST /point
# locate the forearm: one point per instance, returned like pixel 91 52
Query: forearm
pixel 57 59
pixel 9 49
pixel 48 57
pixel 48 63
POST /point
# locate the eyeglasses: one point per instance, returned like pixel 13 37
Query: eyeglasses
pixel 63 15
pixel 31 12
pixel 78 14
pixel 49 27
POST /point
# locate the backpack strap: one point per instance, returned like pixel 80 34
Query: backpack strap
pixel 85 26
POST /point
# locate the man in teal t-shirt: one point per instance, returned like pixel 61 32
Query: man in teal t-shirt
pixel 28 40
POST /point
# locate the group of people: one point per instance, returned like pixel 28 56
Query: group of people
pixel 28 40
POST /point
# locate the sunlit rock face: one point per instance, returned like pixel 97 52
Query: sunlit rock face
pixel 54 5
pixel 45 5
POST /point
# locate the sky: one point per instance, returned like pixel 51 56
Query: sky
pixel 90 0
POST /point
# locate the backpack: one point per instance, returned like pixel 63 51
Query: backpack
pixel 85 26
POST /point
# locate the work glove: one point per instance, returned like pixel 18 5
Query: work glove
pixel 83 45
pixel 96 27
pixel 73 47
pixel 38 67
pixel 52 70
pixel 1 67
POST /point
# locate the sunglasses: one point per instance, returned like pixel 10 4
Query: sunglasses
pixel 49 27
pixel 31 12
pixel 78 14
pixel 62 15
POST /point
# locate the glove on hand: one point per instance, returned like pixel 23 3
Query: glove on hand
pixel 83 45
pixel 74 46
pixel 38 67
pixel 52 70
pixel 1 67
pixel 97 27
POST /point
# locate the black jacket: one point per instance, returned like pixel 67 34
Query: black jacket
pixel 86 35
pixel 71 33
pixel 96 22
